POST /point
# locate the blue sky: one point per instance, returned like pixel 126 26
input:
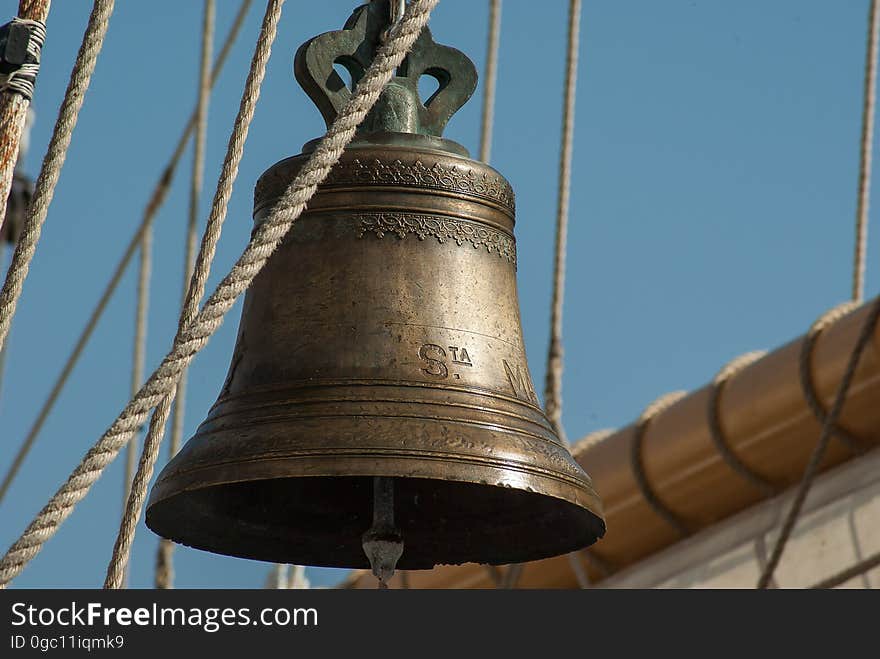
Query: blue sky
pixel 712 212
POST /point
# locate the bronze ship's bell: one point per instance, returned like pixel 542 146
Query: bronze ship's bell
pixel 379 373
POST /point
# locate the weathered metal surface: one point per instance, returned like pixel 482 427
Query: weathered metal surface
pixel 382 339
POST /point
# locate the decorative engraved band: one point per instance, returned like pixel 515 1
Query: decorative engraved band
pixel 441 228
pixel 440 177
pixel 447 178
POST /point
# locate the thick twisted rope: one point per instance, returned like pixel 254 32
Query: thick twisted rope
pixel 265 240
pixel 822 445
pixel 553 384
pixel 164 567
pixel 44 188
pixel 714 422
pixel 201 269
pixel 490 78
pixel 156 199
pixel 866 147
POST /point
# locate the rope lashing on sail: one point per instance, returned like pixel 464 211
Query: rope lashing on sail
pixel 638 465
pixel 828 427
pixel 805 371
pixel 866 149
pixel 164 565
pixel 154 203
pixel 829 420
pixel 490 79
pixel 553 383
pixel 716 432
pixel 264 241
pixel 44 189
pixel 22 42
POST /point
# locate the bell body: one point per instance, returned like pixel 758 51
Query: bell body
pixel 383 338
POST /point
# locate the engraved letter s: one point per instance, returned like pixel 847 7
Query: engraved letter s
pixel 436 368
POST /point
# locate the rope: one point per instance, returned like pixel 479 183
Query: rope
pixel 856 570
pixel 164 568
pixel 44 189
pixel 866 144
pixel 21 80
pixel 138 356
pixel 638 467
pixel 157 198
pixel 194 335
pixel 714 422
pixel 553 384
pixel 199 277
pixel 489 80
pixel 805 367
pixel 819 452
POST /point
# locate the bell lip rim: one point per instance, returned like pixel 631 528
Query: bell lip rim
pixel 593 503
pixel 592 516
pixel 597 529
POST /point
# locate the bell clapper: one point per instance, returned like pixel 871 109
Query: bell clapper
pixel 383 542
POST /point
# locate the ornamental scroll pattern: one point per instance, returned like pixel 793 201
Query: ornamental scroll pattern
pixel 441 228
pixel 451 178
